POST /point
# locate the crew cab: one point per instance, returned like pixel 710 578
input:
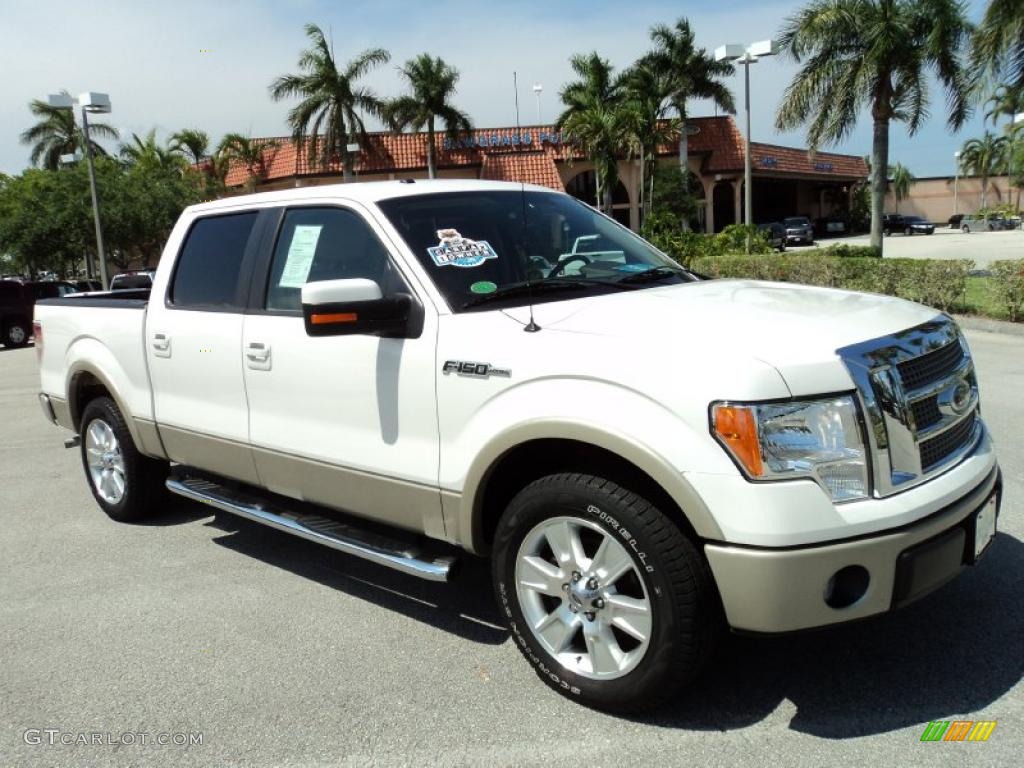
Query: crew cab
pixel 405 371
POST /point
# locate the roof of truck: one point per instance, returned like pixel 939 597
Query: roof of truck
pixel 367 192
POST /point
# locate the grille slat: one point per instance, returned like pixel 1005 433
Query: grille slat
pixel 931 367
pixel 935 450
pixel 926 412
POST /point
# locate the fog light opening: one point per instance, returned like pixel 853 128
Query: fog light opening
pixel 847 586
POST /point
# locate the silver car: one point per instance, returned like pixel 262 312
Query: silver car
pixel 978 224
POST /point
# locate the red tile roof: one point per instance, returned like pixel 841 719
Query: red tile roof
pixel 716 139
pixel 529 167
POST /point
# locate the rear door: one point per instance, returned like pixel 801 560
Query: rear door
pixel 346 421
pixel 194 347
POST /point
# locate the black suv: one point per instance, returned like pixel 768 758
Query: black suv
pixel 17 306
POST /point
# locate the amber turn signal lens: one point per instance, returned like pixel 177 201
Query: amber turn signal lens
pixel 337 317
pixel 736 427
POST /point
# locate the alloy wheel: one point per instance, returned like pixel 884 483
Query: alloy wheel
pixel 106 463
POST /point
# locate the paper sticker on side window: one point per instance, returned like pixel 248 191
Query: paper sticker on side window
pixel 300 256
pixel 454 250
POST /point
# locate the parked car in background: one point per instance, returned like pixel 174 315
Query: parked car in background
pixel 830 225
pixel 126 281
pixel 893 222
pixel 798 230
pixel 915 225
pixel 88 285
pixel 775 233
pixel 976 223
pixel 955 219
pixel 17 307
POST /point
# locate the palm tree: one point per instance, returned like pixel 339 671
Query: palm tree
pixel 57 134
pixel 247 152
pixel 691 72
pixel 148 151
pixel 999 42
pixel 191 143
pixel 646 92
pixel 984 157
pixel 876 55
pixel 433 85
pixel 332 101
pixel 901 180
pixel 594 119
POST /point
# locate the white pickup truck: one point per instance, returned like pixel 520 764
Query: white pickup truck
pixel 404 370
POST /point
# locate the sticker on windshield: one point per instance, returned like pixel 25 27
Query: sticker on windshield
pixel 483 286
pixel 454 250
pixel 633 268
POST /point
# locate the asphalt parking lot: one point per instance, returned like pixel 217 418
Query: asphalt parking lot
pixel 282 653
pixel 982 247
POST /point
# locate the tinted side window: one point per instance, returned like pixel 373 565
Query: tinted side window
pixel 206 274
pixel 10 293
pixel 325 244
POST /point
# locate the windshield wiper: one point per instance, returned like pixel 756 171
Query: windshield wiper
pixel 539 286
pixel 652 274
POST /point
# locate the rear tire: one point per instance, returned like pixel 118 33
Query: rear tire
pixel 127 485
pixel 966 230
pixel 16 332
pixel 606 598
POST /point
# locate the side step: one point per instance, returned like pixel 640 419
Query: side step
pixel 379 548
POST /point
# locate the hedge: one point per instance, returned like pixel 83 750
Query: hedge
pixel 1007 286
pixel 938 283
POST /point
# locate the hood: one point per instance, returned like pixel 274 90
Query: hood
pixel 794 328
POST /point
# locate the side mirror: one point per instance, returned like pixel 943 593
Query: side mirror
pixel 355 306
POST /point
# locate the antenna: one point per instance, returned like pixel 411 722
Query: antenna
pixel 530 327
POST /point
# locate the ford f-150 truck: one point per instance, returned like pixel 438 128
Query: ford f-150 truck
pixel 406 370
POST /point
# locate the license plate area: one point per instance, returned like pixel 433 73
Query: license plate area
pixel 985 525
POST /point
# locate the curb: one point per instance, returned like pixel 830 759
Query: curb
pixel 972 323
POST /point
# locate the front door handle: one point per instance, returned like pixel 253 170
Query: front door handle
pixel 161 345
pixel 258 355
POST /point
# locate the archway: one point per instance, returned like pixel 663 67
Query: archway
pixel 583 186
pixel 724 205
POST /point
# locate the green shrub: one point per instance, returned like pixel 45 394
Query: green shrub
pixel 1007 286
pixel 938 283
pixel 663 232
pixel 846 251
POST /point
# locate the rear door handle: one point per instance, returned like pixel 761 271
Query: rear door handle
pixel 161 345
pixel 258 355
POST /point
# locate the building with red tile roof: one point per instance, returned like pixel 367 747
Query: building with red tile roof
pixel 787 181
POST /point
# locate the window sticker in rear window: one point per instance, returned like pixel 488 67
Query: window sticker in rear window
pixel 454 250
pixel 300 256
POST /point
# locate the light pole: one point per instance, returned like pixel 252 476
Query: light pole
pixel 97 103
pixel 537 88
pixel 747 55
pixel 956 183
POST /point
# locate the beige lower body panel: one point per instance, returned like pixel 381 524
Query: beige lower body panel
pixel 212 454
pixel 774 590
pixel 388 500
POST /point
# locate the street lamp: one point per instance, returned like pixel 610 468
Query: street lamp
pixel 537 88
pixel 95 103
pixel 956 183
pixel 747 55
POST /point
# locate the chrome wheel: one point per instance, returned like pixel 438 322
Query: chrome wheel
pixel 106 464
pixel 583 597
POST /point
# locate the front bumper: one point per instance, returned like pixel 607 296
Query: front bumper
pixel 783 589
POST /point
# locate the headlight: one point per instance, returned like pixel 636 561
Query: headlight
pixel 819 439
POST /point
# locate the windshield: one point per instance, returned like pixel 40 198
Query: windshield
pixel 798 221
pixel 481 247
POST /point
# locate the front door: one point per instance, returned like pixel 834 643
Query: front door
pixel 346 421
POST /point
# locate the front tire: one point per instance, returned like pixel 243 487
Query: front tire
pixel 127 485
pixel 604 595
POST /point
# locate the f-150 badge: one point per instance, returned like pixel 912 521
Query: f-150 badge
pixel 454 250
pixel 480 370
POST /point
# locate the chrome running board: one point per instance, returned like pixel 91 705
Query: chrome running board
pixel 345 537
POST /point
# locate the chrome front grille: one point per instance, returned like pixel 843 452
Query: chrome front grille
pixel 919 395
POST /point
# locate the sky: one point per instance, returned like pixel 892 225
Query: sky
pixel 208 64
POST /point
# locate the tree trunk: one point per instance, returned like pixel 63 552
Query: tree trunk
pixel 347 166
pixel 643 185
pixel 879 182
pixel 984 191
pixel 431 158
